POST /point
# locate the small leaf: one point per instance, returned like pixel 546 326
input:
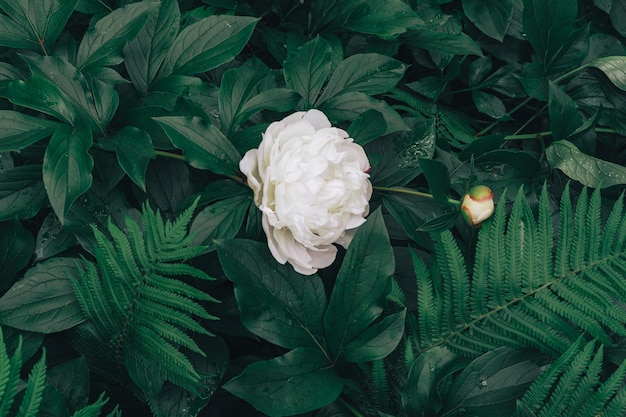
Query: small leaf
pixel 586 169
pixel 387 19
pixel 221 220
pixel 377 341
pixel 207 44
pixel 307 68
pixel 360 286
pixel 492 17
pixel 16 249
pixel 369 126
pixel 102 44
pixel 203 144
pixel 22 192
pixel 52 238
pixel 365 73
pixel 18 130
pixel 489 104
pixel 67 168
pixel 614 67
pixel 71 379
pixel 564 115
pixel 299 381
pixel 134 150
pixel 276 303
pixel 43 301
pixel 438 178
pixel 444 43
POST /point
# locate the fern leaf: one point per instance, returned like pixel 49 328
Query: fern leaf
pixel 34 389
pixel 10 368
pixel 428 310
pixel 141 314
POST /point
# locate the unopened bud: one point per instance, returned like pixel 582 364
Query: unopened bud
pixel 477 205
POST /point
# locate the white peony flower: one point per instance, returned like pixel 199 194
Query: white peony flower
pixel 477 205
pixel 310 181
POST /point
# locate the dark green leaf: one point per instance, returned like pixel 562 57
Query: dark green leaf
pixel 168 184
pixel 548 26
pixel 221 220
pixel 386 20
pixel 369 126
pixel 52 239
pixel 67 168
pixel 614 67
pixel 16 249
pixel 276 99
pixel 18 130
pixel 491 383
pixel 22 192
pixel 439 223
pixel 482 145
pixel 43 301
pixel 492 17
pixel 204 145
pixel 144 54
pixel 526 164
pixel 534 81
pixel 564 115
pixel 276 302
pixel 365 73
pixel 37 93
pixel 356 298
pixel 586 169
pixel 350 106
pixel 103 42
pixel 444 43
pixel 377 341
pixel 134 150
pixel 307 68
pixel 411 213
pixel 438 178
pixel 14 35
pixel 207 44
pixel 489 104
pixel 52 404
pixel 299 381
pixel 421 396
pixel 617 13
pixel 71 379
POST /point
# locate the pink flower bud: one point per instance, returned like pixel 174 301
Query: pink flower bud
pixel 477 205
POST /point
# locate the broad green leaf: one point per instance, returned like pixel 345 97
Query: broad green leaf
pixel 14 35
pixel 444 43
pixel 299 381
pixel 134 150
pixel 438 178
pixel 52 239
pixel 377 341
pixel 276 303
pixel 71 379
pixel 490 384
pixel 43 21
pixel 207 44
pixel 492 17
pixel 411 212
pixel 40 94
pixel 386 19
pixel 524 162
pixel 614 67
pixel 549 25
pixel 356 300
pixel 18 130
pixel 102 44
pixel 489 104
pixel 421 396
pixel 275 99
pixel 586 169
pixel 564 115
pixel 307 68
pixel 365 73
pixel 67 168
pixel 617 14
pixel 22 192
pixel 144 54
pixel 16 249
pixel 52 404
pixel 369 126
pixel 534 81
pixel 43 301
pixel 350 106
pixel 221 220
pixel 203 144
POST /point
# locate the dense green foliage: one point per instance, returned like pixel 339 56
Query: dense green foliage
pixel 135 277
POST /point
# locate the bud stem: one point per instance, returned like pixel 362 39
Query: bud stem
pixel 412 192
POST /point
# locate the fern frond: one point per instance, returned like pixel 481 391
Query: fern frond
pixel 10 370
pixel 138 305
pixel 525 291
pixel 571 386
pixel 34 389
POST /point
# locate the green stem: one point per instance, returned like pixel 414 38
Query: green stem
pixel 170 155
pixel 509 113
pixel 549 133
pixel 412 192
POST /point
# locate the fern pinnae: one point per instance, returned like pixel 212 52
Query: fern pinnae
pixel 566 230
pixel 427 308
pixel 161 297
pixel 620 244
pixel 456 282
pixel 589 381
pixel 380 386
pixel 578 252
pixel 168 315
pixel 33 394
pixel 545 238
pixel 611 227
pixel 497 258
pixel 480 277
pixel 606 394
pixel 593 227
pixel 515 250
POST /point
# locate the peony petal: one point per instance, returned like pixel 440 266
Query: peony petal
pixel 317 119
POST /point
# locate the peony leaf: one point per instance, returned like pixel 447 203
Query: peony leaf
pixel 614 67
pixel 356 300
pixel 377 341
pixel 203 145
pixel 22 192
pixel 134 151
pixel 276 303
pixel 18 130
pixel 586 169
pixel 307 68
pixel 564 115
pixel 492 17
pixel 16 248
pixel 299 381
pixel 43 301
pixel 221 220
